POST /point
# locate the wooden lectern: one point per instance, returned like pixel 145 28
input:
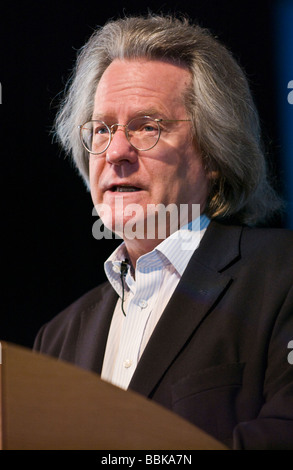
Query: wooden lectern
pixel 47 404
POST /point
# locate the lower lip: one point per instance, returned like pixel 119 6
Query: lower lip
pixel 121 194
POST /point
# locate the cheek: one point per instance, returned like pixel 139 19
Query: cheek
pixel 192 168
pixel 163 179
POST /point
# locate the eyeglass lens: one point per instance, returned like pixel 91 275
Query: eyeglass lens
pixel 142 132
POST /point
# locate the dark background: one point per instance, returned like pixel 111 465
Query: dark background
pixel 49 256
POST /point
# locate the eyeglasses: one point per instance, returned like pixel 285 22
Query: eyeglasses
pixel 142 133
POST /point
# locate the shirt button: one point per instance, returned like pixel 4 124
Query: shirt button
pixel 127 363
pixel 143 303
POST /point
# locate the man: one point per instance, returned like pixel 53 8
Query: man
pixel 197 317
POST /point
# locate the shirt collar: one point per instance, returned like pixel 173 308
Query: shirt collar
pixel 112 267
pixel 180 246
pixel 177 249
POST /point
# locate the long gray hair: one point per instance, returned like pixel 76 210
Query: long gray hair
pixel 225 121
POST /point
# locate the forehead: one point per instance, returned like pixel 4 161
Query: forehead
pixel 143 83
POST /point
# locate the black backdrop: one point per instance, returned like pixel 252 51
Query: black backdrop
pixel 49 256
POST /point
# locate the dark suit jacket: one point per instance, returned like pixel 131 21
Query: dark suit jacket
pixel 219 354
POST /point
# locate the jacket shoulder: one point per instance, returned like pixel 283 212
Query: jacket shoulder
pixel 269 242
pixel 67 323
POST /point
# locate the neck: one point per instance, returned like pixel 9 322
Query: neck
pixel 137 247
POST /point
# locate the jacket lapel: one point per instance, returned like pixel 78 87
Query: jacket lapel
pixel 94 329
pixel 201 285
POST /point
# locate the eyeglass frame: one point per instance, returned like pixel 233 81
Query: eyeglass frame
pixel 111 133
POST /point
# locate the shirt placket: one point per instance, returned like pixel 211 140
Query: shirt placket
pixel 139 308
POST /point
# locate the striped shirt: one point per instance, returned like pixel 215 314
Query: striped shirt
pixel 145 297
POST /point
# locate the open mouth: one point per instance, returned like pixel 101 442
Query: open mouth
pixel 124 189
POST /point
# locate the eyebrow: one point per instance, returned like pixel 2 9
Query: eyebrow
pixel 101 116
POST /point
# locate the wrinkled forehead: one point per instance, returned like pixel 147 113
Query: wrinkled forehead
pixel 154 84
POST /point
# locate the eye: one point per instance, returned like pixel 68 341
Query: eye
pixel 143 126
pixel 148 127
pixel 100 129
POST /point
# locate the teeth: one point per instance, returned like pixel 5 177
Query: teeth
pixel 128 189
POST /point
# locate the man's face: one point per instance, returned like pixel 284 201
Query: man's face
pixel 169 173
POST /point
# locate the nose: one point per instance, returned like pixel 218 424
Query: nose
pixel 120 150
